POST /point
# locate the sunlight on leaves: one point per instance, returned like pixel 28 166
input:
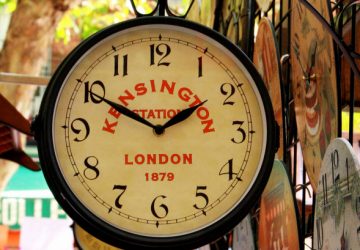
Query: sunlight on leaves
pixel 9 5
pixel 93 15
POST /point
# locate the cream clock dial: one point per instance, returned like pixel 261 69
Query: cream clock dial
pixel 157 131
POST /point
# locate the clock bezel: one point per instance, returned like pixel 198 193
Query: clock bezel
pixel 88 220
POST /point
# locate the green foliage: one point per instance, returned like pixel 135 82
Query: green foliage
pixel 9 5
pixel 179 6
pixel 93 15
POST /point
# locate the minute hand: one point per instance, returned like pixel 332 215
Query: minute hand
pixel 182 115
pixel 127 112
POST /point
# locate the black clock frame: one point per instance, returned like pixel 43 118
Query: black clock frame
pixel 43 124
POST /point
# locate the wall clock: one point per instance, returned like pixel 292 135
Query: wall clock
pixel 313 84
pixel 278 223
pixel 337 209
pixel 267 62
pixel 86 241
pixel 156 133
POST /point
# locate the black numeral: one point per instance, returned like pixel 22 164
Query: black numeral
pixel 227 90
pixel 162 50
pixel 357 205
pixel 94 92
pixel 122 189
pixel 84 127
pixel 227 169
pixel 347 173
pixel 164 210
pixel 91 172
pixel 240 130
pixel 203 196
pixel 325 189
pixel 319 233
pixel 334 164
pixel 124 64
pixel 200 66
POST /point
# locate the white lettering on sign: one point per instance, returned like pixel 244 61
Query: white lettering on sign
pixel 37 208
pixel 13 210
pixel 9 211
pixel 55 210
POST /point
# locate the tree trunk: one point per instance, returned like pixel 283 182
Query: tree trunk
pixel 30 34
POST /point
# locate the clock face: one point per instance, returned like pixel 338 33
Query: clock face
pixel 158 134
pixel 337 211
pixel 267 62
pixel 278 224
pixel 313 85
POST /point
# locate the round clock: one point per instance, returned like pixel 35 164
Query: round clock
pixel 278 223
pixel 267 62
pixel 156 133
pixel 313 84
pixel 337 209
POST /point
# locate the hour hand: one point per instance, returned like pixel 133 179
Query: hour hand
pixel 181 116
pixel 125 111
